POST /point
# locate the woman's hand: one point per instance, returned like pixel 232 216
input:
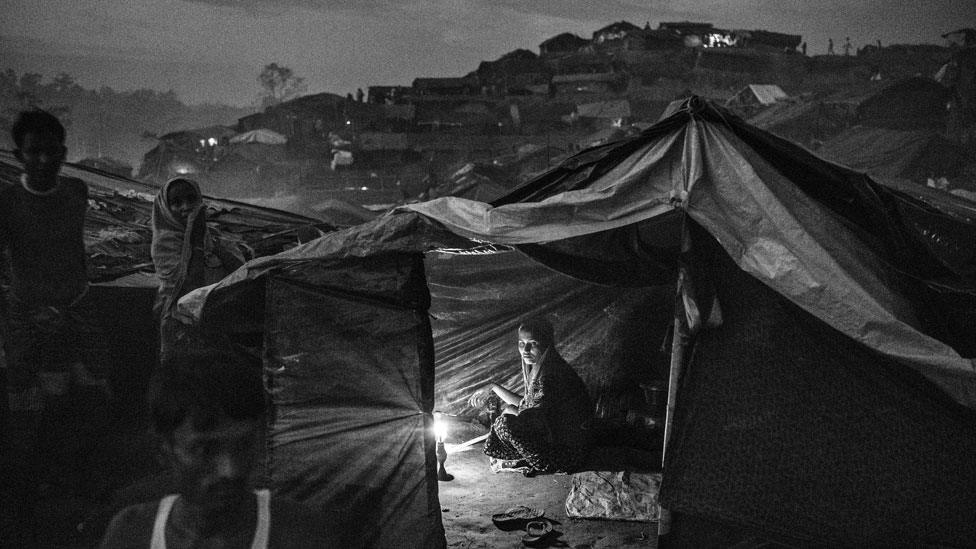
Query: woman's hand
pixel 510 410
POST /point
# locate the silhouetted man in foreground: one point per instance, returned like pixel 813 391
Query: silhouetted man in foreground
pixel 207 410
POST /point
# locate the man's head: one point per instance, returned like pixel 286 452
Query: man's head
pixel 39 140
pixel 207 408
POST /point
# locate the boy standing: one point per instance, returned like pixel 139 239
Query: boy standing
pixel 41 228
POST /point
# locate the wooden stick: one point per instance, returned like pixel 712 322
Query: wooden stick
pixel 475 440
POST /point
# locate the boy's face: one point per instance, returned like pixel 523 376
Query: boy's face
pixel 182 200
pixel 41 154
pixel 213 466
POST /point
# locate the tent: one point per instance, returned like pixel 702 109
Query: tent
pixel 754 95
pixel 914 154
pixel 261 135
pixel 912 103
pixel 822 389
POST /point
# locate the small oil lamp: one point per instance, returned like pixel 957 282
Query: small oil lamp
pixel 440 432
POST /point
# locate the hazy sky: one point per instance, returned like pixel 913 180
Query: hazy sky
pixel 212 50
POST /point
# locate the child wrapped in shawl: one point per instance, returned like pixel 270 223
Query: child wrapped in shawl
pixel 187 254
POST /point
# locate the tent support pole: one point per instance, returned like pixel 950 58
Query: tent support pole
pixel 679 342
pixel 680 335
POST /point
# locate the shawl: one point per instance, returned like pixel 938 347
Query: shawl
pixel 173 246
pixel 554 390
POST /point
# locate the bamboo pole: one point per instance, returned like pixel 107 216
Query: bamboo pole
pixel 679 342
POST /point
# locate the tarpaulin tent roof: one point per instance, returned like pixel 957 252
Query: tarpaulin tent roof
pixel 260 135
pixel 907 153
pixel 817 264
pixel 912 103
pixel 619 108
pixel 764 94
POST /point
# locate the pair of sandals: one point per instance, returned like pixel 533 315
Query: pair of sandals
pixel 538 530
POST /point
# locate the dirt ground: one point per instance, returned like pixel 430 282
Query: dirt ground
pixel 476 493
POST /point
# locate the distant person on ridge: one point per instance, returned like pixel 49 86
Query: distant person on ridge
pixel 830 46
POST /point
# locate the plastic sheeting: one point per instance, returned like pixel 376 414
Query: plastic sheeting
pixel 614 495
pixel 610 336
pixel 762 200
pixel 350 370
pixel 787 427
pixel 261 135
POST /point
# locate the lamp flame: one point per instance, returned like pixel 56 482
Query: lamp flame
pixel 440 427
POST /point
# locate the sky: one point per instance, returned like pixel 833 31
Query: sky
pixel 211 51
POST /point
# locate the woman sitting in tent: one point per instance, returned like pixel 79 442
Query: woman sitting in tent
pixel 546 430
pixel 187 255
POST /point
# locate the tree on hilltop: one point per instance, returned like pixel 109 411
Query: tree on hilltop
pixel 280 84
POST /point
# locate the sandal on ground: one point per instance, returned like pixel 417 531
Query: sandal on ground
pixel 537 533
pixel 516 517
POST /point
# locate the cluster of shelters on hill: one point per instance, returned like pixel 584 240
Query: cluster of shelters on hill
pixel 396 143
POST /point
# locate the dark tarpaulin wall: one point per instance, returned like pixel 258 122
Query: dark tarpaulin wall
pixel 787 427
pixel 350 371
pixel 611 336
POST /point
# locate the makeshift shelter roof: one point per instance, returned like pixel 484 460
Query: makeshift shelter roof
pixel 584 77
pixel 914 154
pixel 618 108
pixel 813 419
pixel 907 104
pixel 216 132
pixel 261 135
pixel 764 94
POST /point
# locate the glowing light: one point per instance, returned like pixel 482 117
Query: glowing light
pixel 183 169
pixel 440 427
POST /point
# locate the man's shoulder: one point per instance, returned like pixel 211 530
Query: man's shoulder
pixel 131 527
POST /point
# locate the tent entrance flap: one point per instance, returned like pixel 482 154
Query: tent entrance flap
pixel 351 382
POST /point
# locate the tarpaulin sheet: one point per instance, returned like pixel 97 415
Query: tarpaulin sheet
pixel 775 230
pixel 786 426
pixel 350 370
pixel 779 235
pixel 610 336
pixel 394 233
pixel 614 495
pixel 883 152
